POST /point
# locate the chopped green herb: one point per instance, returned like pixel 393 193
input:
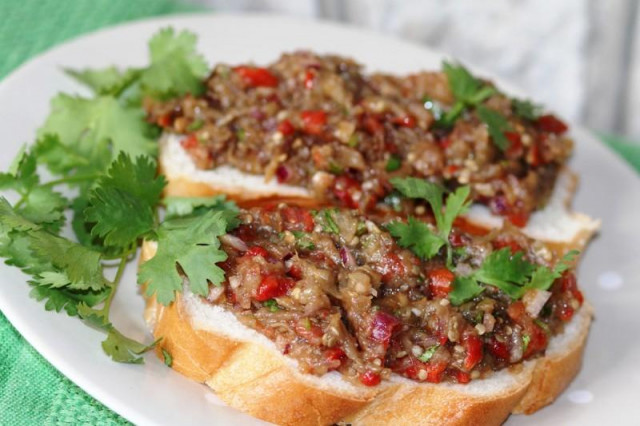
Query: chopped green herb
pixel 303 240
pixel 335 169
pixel 509 272
pixel 361 228
pixel 526 339
pixel 306 323
pixel 168 359
pixel 416 236
pixel 241 134
pixel 428 354
pixel 456 204
pixel 272 305
pixel 543 325
pixel 497 125
pixel 394 200
pixel 393 163
pixel 353 141
pixel 329 224
pixel 195 125
pixel 526 109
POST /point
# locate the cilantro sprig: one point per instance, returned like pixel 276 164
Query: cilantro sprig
pixel 102 148
pixel 419 236
pixel 467 90
pixel 511 273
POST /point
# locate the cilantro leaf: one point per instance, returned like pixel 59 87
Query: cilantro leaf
pixel 197 206
pixel 428 354
pixel 106 81
pixel 21 176
pixel 123 349
pixel 464 86
pixel 328 223
pixel 509 272
pixel 457 203
pixel 464 288
pixel 43 205
pixel 176 68
pixel 59 158
pixel 58 299
pixel 420 188
pixel 81 264
pixel 122 205
pixel 417 236
pixel 467 90
pixel 192 243
pixel 543 277
pixel 497 125
pixel 526 109
pixel 99 128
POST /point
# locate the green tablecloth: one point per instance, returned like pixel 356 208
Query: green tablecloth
pixel 31 390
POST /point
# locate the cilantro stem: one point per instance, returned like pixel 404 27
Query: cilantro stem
pixel 114 284
pixel 72 179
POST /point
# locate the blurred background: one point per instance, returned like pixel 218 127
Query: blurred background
pixel 581 58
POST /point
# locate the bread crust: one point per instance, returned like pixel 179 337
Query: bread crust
pixel 255 379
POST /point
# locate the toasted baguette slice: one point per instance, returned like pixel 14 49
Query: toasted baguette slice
pixel 556 224
pixel 244 368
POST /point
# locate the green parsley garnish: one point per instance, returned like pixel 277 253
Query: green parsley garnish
pixel 509 272
pixel 419 236
pixel 195 125
pixel 426 355
pixel 393 163
pixel 497 125
pixel 526 109
pixel 240 134
pixel 467 90
pixel 103 149
pixel 353 141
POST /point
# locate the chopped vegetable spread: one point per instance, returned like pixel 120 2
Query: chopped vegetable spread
pixel 336 291
pixel 321 123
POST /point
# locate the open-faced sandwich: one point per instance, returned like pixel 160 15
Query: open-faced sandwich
pixel 404 251
pixel 358 286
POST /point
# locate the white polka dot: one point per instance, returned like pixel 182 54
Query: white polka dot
pixel 580 396
pixel 212 398
pixel 610 280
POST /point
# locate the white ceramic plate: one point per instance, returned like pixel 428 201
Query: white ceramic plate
pixel 605 392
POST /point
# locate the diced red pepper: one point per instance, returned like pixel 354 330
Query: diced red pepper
pixel 370 378
pixel 473 346
pixel 462 377
pixel 405 121
pixel 498 349
pixel 538 339
pixel 335 354
pixel 313 121
pixel 507 242
pixel 297 219
pixel 165 120
pixel 445 142
pixel 519 218
pixel 190 141
pixel 295 272
pixel 346 189
pixel 570 284
pixel 257 251
pixel 515 144
pixel 273 286
pixel 565 312
pixel 286 128
pixel 382 327
pixel 392 266
pixel 256 77
pixel 440 281
pixel 309 78
pixel 551 123
pixel 435 370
